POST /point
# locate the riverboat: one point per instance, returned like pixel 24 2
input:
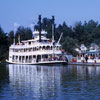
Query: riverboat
pixel 39 50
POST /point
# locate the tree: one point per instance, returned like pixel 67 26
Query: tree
pixel 11 37
pixel 24 33
pixel 3 45
pixel 69 45
pixel 46 25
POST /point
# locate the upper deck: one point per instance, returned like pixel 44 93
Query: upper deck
pixel 33 46
pixel 35 42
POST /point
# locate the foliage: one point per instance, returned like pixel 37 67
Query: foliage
pixel 73 36
pixel 11 37
pixel 3 44
pixel 69 45
pixel 23 33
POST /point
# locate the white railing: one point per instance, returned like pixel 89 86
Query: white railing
pixel 39 52
pixel 31 45
pixel 39 61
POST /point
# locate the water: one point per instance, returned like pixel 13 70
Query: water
pixel 30 82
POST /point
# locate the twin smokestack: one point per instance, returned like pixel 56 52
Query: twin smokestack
pixel 40 26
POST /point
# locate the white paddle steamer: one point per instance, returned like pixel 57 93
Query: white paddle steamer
pixel 39 50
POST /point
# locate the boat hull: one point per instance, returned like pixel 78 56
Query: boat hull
pixel 39 63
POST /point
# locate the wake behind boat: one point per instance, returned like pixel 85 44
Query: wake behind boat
pixel 39 50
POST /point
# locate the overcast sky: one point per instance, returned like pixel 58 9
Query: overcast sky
pixel 25 12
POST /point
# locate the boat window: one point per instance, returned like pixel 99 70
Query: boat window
pixel 51 47
pixel 40 48
pixel 34 56
pixel 19 57
pixel 43 47
pixel 48 47
pixel 23 43
pixel 35 48
pixel 29 49
pixel 13 57
pixel 29 43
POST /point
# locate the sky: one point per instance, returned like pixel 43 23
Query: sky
pixel 14 13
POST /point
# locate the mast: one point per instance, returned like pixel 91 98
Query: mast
pixel 39 28
pixel 60 38
pixel 14 41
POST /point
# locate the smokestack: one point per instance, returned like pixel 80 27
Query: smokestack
pixel 53 19
pixel 53 28
pixel 39 28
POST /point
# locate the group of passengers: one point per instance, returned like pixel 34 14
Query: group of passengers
pixel 86 57
pixel 54 58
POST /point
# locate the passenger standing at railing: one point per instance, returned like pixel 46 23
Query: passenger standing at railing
pixel 82 58
pixel 86 58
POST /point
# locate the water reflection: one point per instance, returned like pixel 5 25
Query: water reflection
pixel 40 81
pixel 4 79
pixel 86 72
pixel 29 82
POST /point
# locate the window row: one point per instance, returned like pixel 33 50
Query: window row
pixel 36 49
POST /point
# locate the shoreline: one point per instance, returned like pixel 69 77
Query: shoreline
pixel 84 64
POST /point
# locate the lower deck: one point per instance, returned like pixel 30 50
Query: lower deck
pixel 40 63
pixel 35 59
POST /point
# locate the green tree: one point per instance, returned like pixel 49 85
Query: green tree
pixel 3 45
pixel 69 45
pixel 24 33
pixel 11 37
pixel 46 25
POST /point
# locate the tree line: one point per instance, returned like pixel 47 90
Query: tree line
pixel 73 36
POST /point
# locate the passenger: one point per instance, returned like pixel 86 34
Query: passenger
pixel 99 56
pixel 82 59
pixel 95 60
pixel 89 57
pixel 37 60
pixel 56 58
pixel 86 58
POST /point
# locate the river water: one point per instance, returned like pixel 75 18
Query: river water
pixel 31 82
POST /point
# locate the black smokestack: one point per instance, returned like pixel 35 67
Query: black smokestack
pixel 53 19
pixel 53 28
pixel 39 28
